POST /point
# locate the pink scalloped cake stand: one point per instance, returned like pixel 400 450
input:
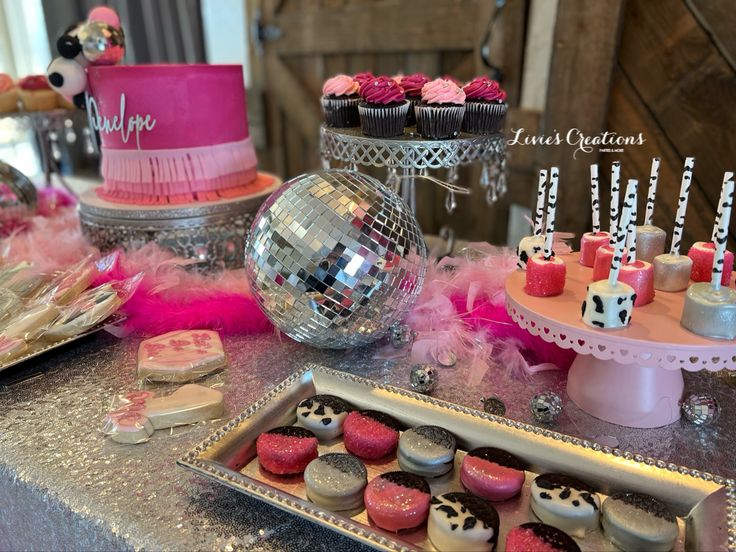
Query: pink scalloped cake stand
pixel 632 376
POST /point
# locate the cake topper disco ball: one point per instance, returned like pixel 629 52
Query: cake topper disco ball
pixel 334 258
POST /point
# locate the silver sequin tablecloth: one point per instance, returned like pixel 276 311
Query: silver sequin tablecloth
pixel 64 486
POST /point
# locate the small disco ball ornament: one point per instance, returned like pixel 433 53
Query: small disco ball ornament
pixel 102 44
pixel 493 405
pixel 700 409
pixel 423 378
pixel 334 259
pixel 546 407
pixel 401 335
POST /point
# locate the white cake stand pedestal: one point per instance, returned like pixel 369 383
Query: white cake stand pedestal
pixel 632 376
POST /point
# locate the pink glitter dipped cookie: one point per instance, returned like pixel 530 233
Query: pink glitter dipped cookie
pixel 181 355
pixel 397 500
pixel 492 473
pixel 539 537
pixel 286 450
pixel 370 434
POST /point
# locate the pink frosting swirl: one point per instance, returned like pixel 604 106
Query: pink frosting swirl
pixel 442 91
pixel 360 78
pixel 412 84
pixel 340 85
pixel 483 88
pixel 382 90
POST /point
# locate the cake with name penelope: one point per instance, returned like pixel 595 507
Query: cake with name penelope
pixel 172 134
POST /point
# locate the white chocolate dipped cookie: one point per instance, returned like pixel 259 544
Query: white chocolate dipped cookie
pixel 461 522
pixel 142 412
pixel 634 521
pixel 566 503
pixel 180 356
pixel 428 451
pixel 323 415
pixel 336 481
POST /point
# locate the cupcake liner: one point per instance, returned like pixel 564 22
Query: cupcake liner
pixel 484 117
pixel 411 118
pixel 341 112
pixel 439 122
pixel 383 121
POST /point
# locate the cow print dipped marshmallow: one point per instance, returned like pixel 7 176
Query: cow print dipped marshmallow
pixel 324 415
pixel 608 306
pixel 528 247
pixel 566 503
pixel 461 521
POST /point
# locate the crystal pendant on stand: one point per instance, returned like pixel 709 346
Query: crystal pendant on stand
pixel 450 202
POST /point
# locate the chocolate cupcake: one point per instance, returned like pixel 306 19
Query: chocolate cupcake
pixel 363 77
pixel 383 108
pixel 440 112
pixel 340 102
pixel 412 87
pixel 485 106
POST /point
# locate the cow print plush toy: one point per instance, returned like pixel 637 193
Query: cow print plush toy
pixel 97 41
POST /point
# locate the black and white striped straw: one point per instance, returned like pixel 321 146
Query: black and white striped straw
pixel 724 218
pixel 595 204
pixel 652 194
pixel 615 187
pixel 631 230
pixel 618 252
pixel 687 178
pixel 541 196
pixel 549 226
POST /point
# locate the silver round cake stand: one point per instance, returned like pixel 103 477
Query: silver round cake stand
pixel 211 233
pixel 415 156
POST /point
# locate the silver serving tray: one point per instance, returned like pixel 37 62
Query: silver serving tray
pixel 704 503
pixel 41 347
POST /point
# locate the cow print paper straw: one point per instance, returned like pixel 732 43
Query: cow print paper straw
pixel 615 186
pixel 631 231
pixel 687 177
pixel 718 215
pixel 724 217
pixel 653 177
pixel 595 203
pixel 551 207
pixel 618 251
pixel 541 196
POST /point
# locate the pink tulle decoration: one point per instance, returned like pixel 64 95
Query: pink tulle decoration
pixel 50 200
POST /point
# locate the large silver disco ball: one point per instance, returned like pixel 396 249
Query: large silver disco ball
pixel 334 258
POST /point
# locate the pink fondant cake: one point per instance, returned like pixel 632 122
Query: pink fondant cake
pixel 173 133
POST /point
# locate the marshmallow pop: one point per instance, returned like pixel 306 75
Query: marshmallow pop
pixel 604 255
pixel 608 303
pixel 591 241
pixel 710 308
pixel 650 239
pixel 545 273
pixel 672 270
pixel 637 273
pixel 702 254
pixel 529 245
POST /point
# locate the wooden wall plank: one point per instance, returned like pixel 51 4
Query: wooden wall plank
pixel 579 82
pixel 718 18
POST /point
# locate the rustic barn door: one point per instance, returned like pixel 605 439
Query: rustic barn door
pixel 299 43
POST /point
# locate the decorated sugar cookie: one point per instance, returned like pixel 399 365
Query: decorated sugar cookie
pixel 182 355
pixel 141 412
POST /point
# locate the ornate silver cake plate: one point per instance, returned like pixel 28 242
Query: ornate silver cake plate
pixel 704 503
pixel 415 156
pixel 212 233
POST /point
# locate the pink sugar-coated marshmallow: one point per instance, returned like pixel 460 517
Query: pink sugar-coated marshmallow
pixel 368 438
pixel 285 454
pixel 395 507
pixel 640 276
pixel 602 263
pixel 702 254
pixel 589 244
pixel 489 480
pixel 545 278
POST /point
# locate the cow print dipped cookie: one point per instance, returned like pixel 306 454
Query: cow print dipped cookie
pixel 461 521
pixel 428 451
pixel 608 306
pixel 324 415
pixel 634 521
pixel 566 503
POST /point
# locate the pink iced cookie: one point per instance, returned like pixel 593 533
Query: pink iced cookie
pixel 286 450
pixel 640 276
pixel 492 473
pixel 589 244
pixel 702 254
pixel 539 537
pixel 180 356
pixel 545 278
pixel 397 500
pixel 370 434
